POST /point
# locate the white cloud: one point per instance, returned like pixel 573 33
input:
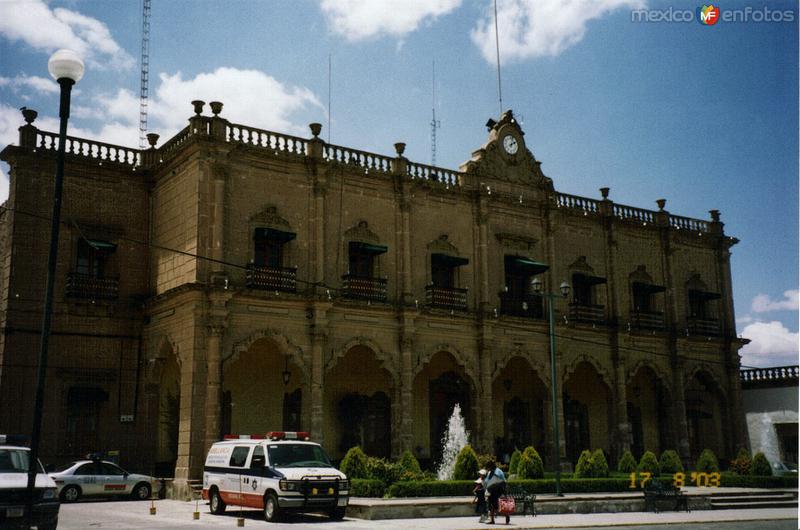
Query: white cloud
pixel 762 303
pixel 39 84
pixel 362 19
pixel 537 28
pixel 771 344
pixel 46 30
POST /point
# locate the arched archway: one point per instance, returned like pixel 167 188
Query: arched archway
pixel 168 379
pixel 358 408
pixel 438 387
pixel 255 398
pixel 706 415
pixel 519 397
pixel 648 412
pixel 586 406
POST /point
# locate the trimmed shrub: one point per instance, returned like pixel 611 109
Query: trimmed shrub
pixel 431 488
pixel 380 469
pixel 732 480
pixel 530 465
pixel 354 463
pixel 707 462
pixel 649 464
pixel 409 464
pixel 626 464
pixel 760 466
pixel 360 487
pixel 583 469
pixel 513 465
pixel 741 465
pixel 484 459
pixel 670 462
pixel 599 464
pixel 466 467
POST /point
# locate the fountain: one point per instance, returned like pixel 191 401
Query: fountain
pixel 454 439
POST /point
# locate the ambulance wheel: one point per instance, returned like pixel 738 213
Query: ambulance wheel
pixel 70 494
pixel 216 503
pixel 337 514
pixel 272 511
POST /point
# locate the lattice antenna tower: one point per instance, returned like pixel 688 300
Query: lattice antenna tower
pixel 435 124
pixel 145 74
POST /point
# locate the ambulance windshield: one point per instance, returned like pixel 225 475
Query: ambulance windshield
pixel 297 455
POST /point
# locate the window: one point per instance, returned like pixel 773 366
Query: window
pixel 362 258
pixel 519 272
pixel 583 288
pixel 111 469
pixel 269 250
pixel 699 304
pixel 444 268
pixel 85 469
pixel 239 456
pixel 93 257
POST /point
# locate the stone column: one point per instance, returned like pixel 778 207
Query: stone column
pixel 316 223
pixel 319 340
pixel 213 382
pixel 400 173
pixel 679 412
pixel 406 434
pixel 623 434
pixel 484 410
pixel 483 254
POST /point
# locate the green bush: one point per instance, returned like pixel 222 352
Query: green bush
pixel 599 464
pixel 360 487
pixel 670 462
pixel 530 465
pixel 466 467
pixel 409 464
pixel 583 469
pixel 431 488
pixel 707 462
pixel 731 480
pixel 741 465
pixel 380 469
pixel 354 463
pixel 626 464
pixel 513 465
pixel 484 459
pixel 760 467
pixel 649 463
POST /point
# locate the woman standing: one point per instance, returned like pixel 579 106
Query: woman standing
pixel 496 486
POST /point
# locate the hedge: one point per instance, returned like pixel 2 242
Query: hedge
pixel 354 463
pixel 466 467
pixel 670 462
pixel 627 464
pixel 760 466
pixel 707 462
pixel 649 463
pixel 530 465
pixel 360 487
pixel 513 465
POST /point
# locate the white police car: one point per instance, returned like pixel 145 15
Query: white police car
pixel 276 473
pixel 87 478
pixel 14 458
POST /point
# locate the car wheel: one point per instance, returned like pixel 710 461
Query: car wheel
pixel 216 503
pixel 141 492
pixel 272 511
pixel 70 494
pixel 337 514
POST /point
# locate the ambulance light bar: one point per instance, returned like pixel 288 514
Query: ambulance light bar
pixel 272 435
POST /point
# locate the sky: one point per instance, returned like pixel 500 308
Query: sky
pixel 636 95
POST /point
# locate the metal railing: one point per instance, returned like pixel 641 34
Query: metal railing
pixel 271 278
pixel 773 374
pixel 360 288
pixel 446 297
pixel 649 320
pixel 587 313
pixel 528 306
pixel 705 327
pixel 92 288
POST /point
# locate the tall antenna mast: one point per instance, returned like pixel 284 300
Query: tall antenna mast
pixel 145 74
pixel 497 44
pixel 330 75
pixel 435 124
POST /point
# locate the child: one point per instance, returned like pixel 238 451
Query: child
pixel 480 496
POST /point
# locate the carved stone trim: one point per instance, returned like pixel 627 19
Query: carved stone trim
pixel 641 275
pixel 569 369
pixel 540 369
pixel 442 245
pixel 286 347
pixel 696 283
pixel 269 218
pixel 517 242
pixel 581 265
pixel 383 359
pixel 661 374
pixel 361 232
pixel 424 358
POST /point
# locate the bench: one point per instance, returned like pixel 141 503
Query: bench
pixel 525 502
pixel 655 491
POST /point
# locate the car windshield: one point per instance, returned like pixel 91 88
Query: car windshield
pixel 297 455
pixel 15 461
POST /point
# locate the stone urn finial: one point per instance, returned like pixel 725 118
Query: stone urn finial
pixel 604 192
pixel 400 147
pixel 714 215
pixel 216 107
pixel 661 203
pixel 198 105
pixel 152 139
pixel 29 115
pixel 316 128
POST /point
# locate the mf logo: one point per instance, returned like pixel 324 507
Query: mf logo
pixel 708 15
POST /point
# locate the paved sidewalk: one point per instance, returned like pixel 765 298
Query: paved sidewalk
pixel 177 515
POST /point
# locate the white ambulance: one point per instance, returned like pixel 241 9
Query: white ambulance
pixel 276 472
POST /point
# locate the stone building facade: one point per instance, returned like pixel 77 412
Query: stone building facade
pixel 239 280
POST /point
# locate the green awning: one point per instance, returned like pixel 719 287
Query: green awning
pixel 587 279
pixel 649 288
pixel 99 244
pixel 703 295
pixel 525 265
pixel 271 234
pixel 448 260
pixel 367 248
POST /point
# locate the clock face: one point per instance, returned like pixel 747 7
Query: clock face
pixel 510 144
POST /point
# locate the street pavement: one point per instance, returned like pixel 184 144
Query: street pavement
pixel 178 515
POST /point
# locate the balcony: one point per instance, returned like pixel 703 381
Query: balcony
pixel 360 288
pixel 704 327
pixel 92 288
pixel 587 313
pixel 282 279
pixel 446 297
pixel 647 320
pixel 527 306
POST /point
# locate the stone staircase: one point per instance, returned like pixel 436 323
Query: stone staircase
pixel 747 501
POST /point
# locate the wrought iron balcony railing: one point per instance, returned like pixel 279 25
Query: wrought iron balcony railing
pixel 587 313
pixel 528 306
pixel 649 320
pixel 446 297
pixel 361 288
pixel 271 278
pixel 705 327
pixel 92 288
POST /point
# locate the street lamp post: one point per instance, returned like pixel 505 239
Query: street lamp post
pixel 66 67
pixel 551 297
